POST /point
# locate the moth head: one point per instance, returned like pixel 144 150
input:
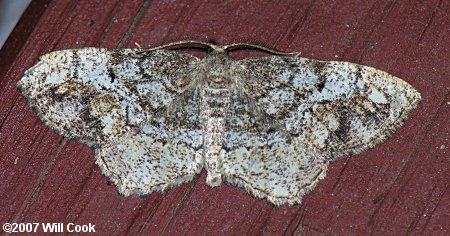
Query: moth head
pixel 216 50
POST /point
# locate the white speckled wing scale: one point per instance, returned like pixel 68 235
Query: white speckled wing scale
pixel 109 99
pixel 160 156
pixel 313 112
pixel 271 125
pixel 271 165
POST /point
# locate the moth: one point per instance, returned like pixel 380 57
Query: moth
pixel 271 125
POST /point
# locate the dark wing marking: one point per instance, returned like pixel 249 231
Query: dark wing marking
pixel 98 95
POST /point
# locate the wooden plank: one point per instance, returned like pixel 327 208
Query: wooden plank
pixel 399 187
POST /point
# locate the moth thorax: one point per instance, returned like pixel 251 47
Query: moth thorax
pixel 218 69
pixel 219 78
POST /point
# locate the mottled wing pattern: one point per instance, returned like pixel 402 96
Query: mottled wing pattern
pixel 126 104
pixel 166 152
pixel 340 108
pixel 98 95
pixel 271 165
pixel 160 156
pixel 300 115
pixel 288 117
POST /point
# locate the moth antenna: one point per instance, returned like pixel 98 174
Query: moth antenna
pixel 238 46
pixel 185 44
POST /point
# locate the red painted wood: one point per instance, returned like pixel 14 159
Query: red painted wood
pixel 399 187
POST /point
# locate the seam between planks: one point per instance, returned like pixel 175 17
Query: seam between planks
pixel 138 17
